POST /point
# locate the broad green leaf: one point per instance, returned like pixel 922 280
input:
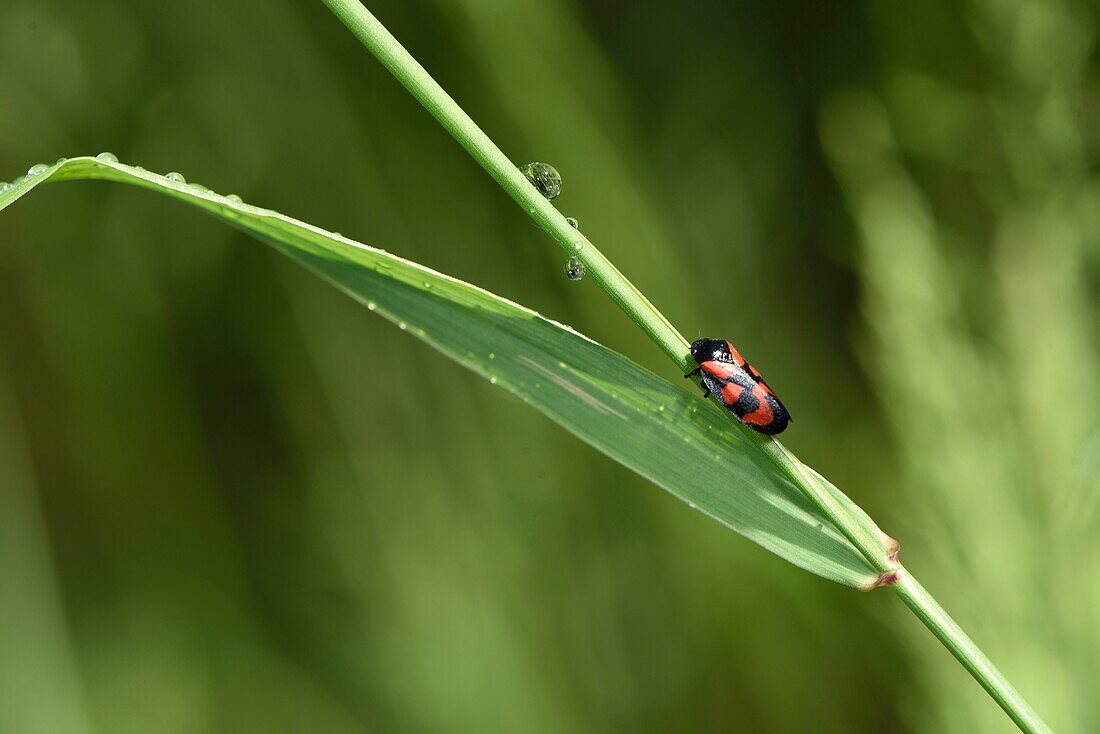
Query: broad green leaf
pixel 675 439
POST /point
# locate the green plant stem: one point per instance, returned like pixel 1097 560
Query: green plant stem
pixel 872 544
pixel 435 99
pixel 928 610
pixel 446 111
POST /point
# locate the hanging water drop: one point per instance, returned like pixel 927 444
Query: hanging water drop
pixel 574 269
pixel 37 169
pixel 572 222
pixel 544 177
pixel 234 199
pixel 107 157
pixel 175 177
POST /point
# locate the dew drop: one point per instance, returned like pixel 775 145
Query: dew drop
pixel 234 199
pixel 572 222
pixel 402 325
pixel 61 160
pixel 427 285
pixel 175 177
pixel 37 169
pixel 371 306
pixel 107 157
pixel 661 408
pixel 574 269
pixel 693 506
pixel 5 187
pixel 18 181
pixel 492 355
pixel 492 380
pixel 544 177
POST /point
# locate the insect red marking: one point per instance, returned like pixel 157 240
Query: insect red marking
pixel 731 393
pixel 721 370
pixel 762 416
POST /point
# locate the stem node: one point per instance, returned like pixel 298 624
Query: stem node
pixel 889 578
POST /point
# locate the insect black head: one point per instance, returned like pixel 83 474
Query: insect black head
pixel 710 350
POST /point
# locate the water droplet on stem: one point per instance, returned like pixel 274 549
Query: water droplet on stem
pixel 544 177
pixel 574 269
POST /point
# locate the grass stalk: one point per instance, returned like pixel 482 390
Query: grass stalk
pixel 879 550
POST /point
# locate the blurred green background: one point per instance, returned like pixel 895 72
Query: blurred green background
pixel 233 500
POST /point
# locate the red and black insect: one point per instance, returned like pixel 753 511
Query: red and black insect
pixel 741 388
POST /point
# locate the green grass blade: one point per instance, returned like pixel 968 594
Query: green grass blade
pixel 677 440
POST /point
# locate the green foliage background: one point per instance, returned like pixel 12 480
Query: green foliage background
pixel 233 500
